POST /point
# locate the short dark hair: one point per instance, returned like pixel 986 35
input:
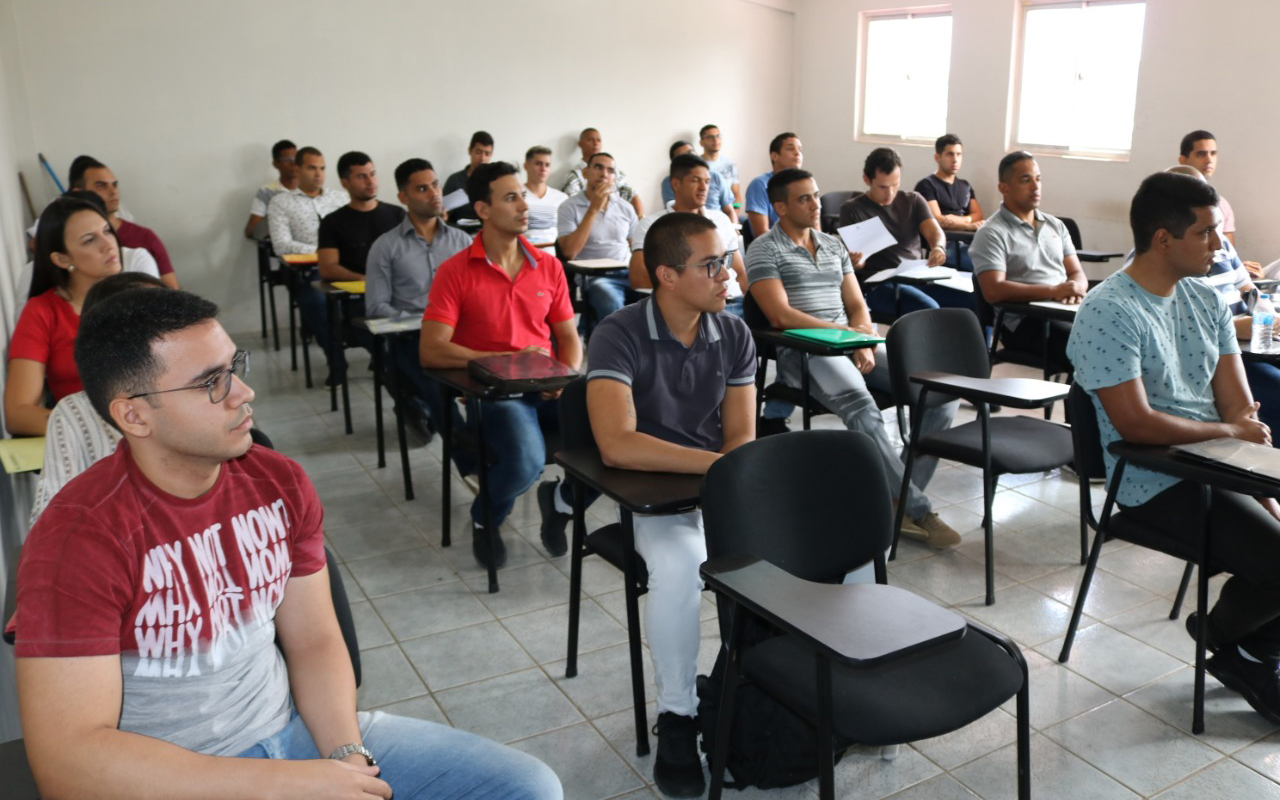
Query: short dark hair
pixel 601 154
pixel 480 181
pixel 666 243
pixel 1189 141
pixel 303 152
pixel 1167 200
pixel 537 150
pixel 407 168
pixel 676 145
pixel 946 140
pixel 114 347
pixel 280 146
pixel 775 144
pixel 51 238
pixel 778 184
pixel 113 285
pixel 881 160
pixel 708 127
pixel 685 163
pixel 80 165
pixel 480 137
pixel 1010 161
pixel 585 131
pixel 353 158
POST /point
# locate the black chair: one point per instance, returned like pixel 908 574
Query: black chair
pixel 939 354
pixel 1114 524
pixel 268 279
pixel 992 319
pixel 614 543
pixel 830 213
pixel 869 664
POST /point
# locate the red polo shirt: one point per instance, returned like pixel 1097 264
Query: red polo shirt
pixel 490 312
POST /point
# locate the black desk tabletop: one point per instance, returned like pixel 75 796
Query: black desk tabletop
pixel 459 380
pixel 959 236
pixel 1012 392
pixel 777 338
pixel 859 623
pixel 1247 354
pixel 636 491
pixel 1044 312
pixel 1165 459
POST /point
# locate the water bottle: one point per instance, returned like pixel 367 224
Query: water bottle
pixel 1264 317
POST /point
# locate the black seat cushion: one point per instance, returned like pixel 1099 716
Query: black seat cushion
pixel 607 543
pixel 1018 444
pixel 917 697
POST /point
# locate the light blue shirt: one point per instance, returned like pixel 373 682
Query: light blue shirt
pixel 758 199
pixel 719 194
pixel 1172 344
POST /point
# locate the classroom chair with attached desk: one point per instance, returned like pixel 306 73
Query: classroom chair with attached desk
pixel 786 518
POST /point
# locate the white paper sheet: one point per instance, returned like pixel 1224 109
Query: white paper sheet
pixel 917 268
pixel 868 237
pixel 455 199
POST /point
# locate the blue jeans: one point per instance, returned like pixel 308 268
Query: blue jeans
pixel 608 293
pixel 883 301
pixel 312 308
pixel 422 759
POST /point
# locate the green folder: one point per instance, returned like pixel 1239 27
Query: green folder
pixel 834 336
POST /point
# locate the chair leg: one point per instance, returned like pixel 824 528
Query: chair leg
pixel 728 699
pixel 262 300
pixel 901 511
pixel 826 742
pixel 1081 595
pixel 988 534
pixel 1024 735
pixel 1202 604
pixel 575 581
pixel 1182 591
pixel 633 632
pixel 275 322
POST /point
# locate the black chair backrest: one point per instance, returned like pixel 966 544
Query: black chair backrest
pixel 986 311
pixel 935 339
pixel 1086 438
pixel 1073 230
pixel 752 313
pixel 575 424
pixel 831 202
pixel 814 503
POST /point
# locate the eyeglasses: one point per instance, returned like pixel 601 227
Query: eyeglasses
pixel 714 267
pixel 218 386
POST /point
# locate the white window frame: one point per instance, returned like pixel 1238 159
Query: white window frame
pixel 864 22
pixel 1015 107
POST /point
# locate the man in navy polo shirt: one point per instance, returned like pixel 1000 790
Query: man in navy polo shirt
pixel 671 389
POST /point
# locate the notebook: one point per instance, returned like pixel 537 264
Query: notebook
pixel 517 373
pixel 834 336
pixel 350 287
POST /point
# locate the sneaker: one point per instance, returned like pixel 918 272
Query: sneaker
pixel 768 427
pixel 480 548
pixel 553 522
pixel 677 769
pixel 1258 682
pixel 931 530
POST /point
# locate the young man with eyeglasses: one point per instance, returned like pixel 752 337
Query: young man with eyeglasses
pixel 175 606
pixel 672 388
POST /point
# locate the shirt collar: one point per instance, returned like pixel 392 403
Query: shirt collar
pixel 476 251
pixel 658 330
pixel 1037 214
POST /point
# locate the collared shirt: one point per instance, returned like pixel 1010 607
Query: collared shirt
pixel 402 265
pixel 678 390
pixel 577 181
pixel 812 282
pixel 719 194
pixel 1024 253
pixel 490 312
pixel 728 235
pixel 608 237
pixel 294 218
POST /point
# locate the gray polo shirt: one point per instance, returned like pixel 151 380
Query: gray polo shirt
pixel 608 237
pixel 678 390
pixel 1024 253
pixel 401 266
pixel 813 282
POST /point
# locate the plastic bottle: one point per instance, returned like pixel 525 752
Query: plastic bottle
pixel 1264 318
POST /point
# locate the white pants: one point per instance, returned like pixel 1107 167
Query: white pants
pixel 673 547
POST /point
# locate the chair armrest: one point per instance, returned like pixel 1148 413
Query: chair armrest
pixel 1096 255
pixel 1184 466
pixel 637 491
pixel 1012 392
pixel 858 624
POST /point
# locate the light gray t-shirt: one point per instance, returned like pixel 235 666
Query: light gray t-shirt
pixel 812 282
pixel 608 237
pixel 1024 253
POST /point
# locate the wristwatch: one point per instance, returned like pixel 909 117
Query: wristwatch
pixel 348 749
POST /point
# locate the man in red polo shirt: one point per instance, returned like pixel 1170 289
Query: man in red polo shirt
pixel 502 295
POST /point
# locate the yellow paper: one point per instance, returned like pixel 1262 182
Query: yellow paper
pixel 351 287
pixel 299 258
pixel 22 455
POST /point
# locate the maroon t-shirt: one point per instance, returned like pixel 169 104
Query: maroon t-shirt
pixel 131 235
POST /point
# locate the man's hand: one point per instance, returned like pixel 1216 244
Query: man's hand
pixel 1254 268
pixel 1245 425
pixel 323 778
pixel 937 256
pixel 865 359
pixel 856 260
pixel 533 348
pixel 598 195
pixel 1068 292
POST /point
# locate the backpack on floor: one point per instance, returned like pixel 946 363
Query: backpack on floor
pixel 770 747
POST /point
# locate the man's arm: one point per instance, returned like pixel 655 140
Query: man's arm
pixel 70 708
pixel 637 272
pixel 330 269
pixel 637 204
pixel 996 288
pixel 568 345
pixel 379 282
pixel 951 222
pixel 975 211
pixel 282 240
pixel 24 411
pixel 771 296
pixel 572 243
pixel 739 271
pixel 437 350
pixel 252 225
pixel 612 410
pixel 738 416
pixel 936 239
pixel 759 223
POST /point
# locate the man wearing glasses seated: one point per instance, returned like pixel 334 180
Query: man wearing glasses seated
pixel 175 609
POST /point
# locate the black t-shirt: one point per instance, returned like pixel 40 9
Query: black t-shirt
pixel 902 218
pixel 952 198
pixel 354 232
pixel 458 180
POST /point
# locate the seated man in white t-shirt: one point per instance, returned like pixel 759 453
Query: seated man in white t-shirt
pixel 544 201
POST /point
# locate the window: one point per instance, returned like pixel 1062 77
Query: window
pixel 1079 77
pixel 906 63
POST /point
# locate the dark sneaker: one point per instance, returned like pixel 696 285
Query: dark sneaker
pixel 1257 682
pixel 480 548
pixel 769 427
pixel 677 770
pixel 553 522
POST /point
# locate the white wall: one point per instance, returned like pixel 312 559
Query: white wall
pixel 1200 69
pixel 184 99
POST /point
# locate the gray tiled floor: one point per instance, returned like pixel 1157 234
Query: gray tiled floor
pixel 1114 722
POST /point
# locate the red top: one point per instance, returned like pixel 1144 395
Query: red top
pixel 46 332
pixel 130 235
pixel 490 312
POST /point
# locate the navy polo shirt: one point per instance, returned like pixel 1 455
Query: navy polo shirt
pixel 677 390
